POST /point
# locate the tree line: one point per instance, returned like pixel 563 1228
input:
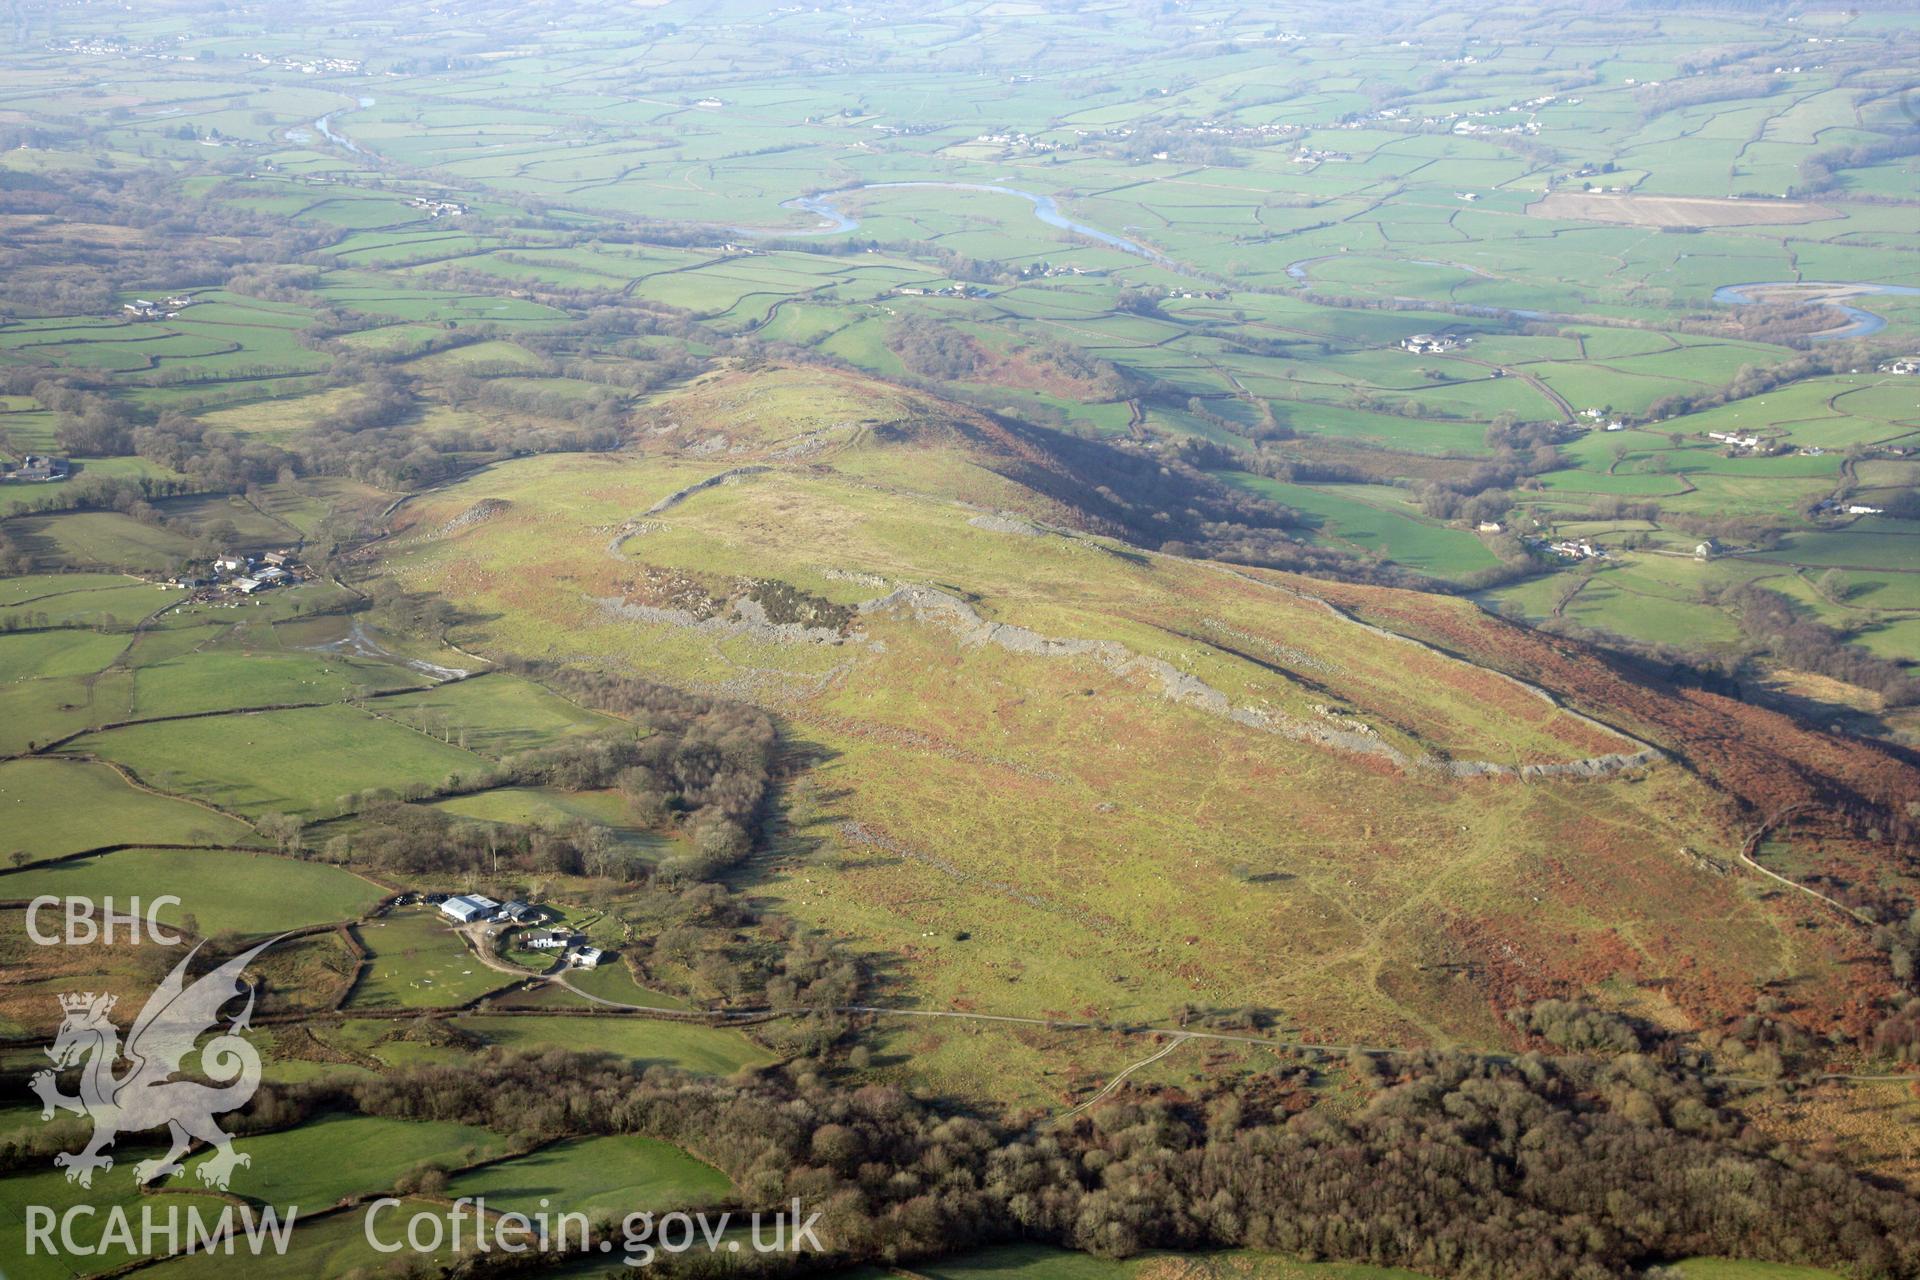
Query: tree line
pixel 1538 1168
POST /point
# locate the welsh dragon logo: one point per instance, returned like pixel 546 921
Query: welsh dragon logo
pixel 145 1095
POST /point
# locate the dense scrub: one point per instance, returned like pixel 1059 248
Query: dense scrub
pixel 1457 1167
pixel 693 763
pixel 1771 623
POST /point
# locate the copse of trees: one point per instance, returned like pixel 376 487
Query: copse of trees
pixel 1822 170
pixel 703 763
pixel 934 350
pixel 1694 91
pixel 1268 428
pixel 1753 380
pixel 86 422
pixel 179 239
pixel 1555 1168
pixel 1772 624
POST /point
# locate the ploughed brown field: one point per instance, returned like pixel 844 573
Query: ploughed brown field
pixel 1675 211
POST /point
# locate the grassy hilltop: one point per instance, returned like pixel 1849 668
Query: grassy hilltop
pixel 1242 797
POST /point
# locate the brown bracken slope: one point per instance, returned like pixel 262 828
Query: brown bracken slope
pixel 1767 762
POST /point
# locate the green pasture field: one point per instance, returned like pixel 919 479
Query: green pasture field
pixel 492 355
pixel 332 1156
pixel 252 526
pixel 98 539
pixel 279 416
pixel 549 807
pixel 1742 1269
pixel 216 678
pixel 615 982
pixel 42 1184
pixel 1621 604
pixel 34 590
pixel 418 961
pixel 497 714
pixel 29 655
pixel 641 1041
pixel 1367 526
pixel 302 762
pixel 612 1175
pixel 1870 543
pixel 54 807
pixel 436 305
pixel 34 712
pixel 246 893
pixel 330 1248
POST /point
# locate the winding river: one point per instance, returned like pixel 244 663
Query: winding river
pixel 1863 322
pixel 837 221
pixel 325 125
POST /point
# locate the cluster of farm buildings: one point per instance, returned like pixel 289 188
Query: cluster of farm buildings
pixel 476 908
pixel 37 468
pixel 241 573
pixel 437 208
pixel 165 309
pixel 307 66
pixel 1577 549
pixel 958 290
pixel 1433 343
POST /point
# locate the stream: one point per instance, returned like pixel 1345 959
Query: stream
pixel 1863 322
pixel 325 125
pixel 1045 208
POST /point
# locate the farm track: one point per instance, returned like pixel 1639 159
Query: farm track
pixel 1554 397
pixel 1112 1086
pixel 1751 846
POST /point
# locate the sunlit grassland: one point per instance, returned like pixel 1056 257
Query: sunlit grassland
pixel 55 807
pixel 248 893
pixel 1043 800
pixel 641 1041
pixel 418 961
pixel 300 761
pixel 332 1247
pixel 616 1175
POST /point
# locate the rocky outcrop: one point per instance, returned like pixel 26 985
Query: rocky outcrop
pixel 679 496
pixel 743 616
pixel 1333 729
pixel 1016 525
pixel 480 512
pixel 927 604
